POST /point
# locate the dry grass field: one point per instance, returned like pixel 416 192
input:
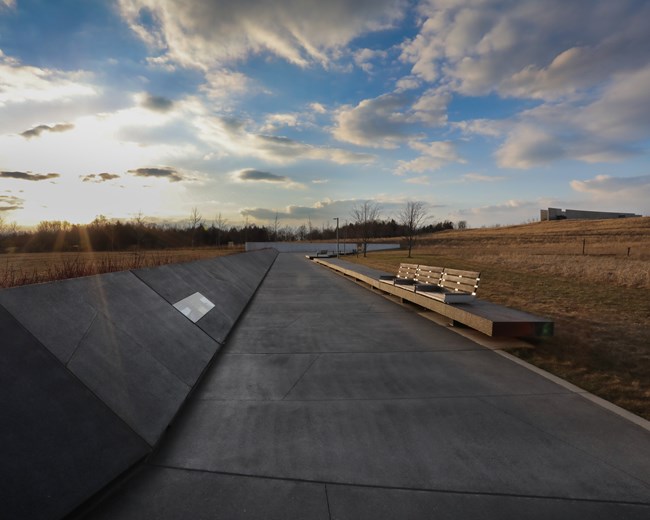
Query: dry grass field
pixel 599 300
pixel 26 268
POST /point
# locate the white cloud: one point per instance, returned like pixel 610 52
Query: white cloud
pixel 423 180
pixel 22 83
pixel 275 121
pixel 477 177
pixel 407 83
pixel 378 122
pixel 485 127
pixel 617 193
pixel 388 120
pixel 529 49
pixel 231 137
pixel 8 3
pixel 434 155
pixel 431 107
pixel 318 108
pixel 205 34
pixel 364 58
pixel 611 128
pixel 224 84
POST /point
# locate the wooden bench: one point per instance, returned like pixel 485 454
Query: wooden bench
pixel 440 283
pixel 487 317
pixel 405 276
pixel 322 253
pixel 447 285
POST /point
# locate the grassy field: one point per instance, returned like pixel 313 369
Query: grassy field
pixel 26 268
pixel 600 300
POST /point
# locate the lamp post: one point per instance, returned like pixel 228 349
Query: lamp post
pixel 337 236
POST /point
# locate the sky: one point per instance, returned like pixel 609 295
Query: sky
pixel 486 110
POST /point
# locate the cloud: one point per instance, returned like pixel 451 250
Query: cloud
pixel 10 203
pixel 363 58
pixel 387 120
pixel 99 177
pixel 423 180
pixel 528 49
pixel 318 108
pixel 157 103
pixel 477 177
pixel 38 130
pixel 232 138
pixel 275 121
pixel 28 176
pixel 171 174
pixel 407 83
pixel 434 155
pixel 484 127
pixel 613 127
pixel 224 83
pixel 256 175
pixel 619 189
pixel 320 181
pixel 21 83
pixel 377 122
pixel 252 175
pixel 207 34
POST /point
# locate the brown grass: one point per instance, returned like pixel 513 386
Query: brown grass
pixel 28 268
pixel 600 301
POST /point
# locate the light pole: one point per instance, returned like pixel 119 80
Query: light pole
pixel 337 236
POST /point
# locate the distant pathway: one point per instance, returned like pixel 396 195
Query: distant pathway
pixel 329 401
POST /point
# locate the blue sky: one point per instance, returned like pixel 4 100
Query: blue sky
pixel 487 110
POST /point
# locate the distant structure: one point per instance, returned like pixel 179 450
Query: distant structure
pixel 559 214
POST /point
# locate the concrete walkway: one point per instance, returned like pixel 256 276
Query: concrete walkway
pixel 331 402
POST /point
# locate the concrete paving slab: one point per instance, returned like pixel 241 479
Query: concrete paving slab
pixel 430 374
pixel 142 391
pixel 254 376
pixel 275 332
pixel 171 494
pixel 59 443
pixel 440 444
pixel 357 503
pixel 585 425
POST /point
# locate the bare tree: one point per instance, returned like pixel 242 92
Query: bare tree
pixel 220 224
pixel 196 220
pixel 276 223
pixel 139 224
pixel 412 216
pixel 364 215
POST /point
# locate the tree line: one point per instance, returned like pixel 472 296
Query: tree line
pixel 103 234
